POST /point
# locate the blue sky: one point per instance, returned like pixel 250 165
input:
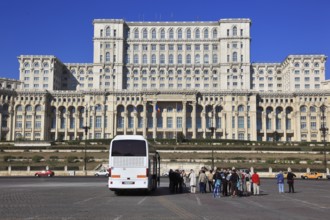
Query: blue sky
pixel 64 27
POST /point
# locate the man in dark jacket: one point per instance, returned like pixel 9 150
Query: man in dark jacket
pixel 233 180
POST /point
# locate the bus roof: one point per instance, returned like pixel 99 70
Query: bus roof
pixel 129 137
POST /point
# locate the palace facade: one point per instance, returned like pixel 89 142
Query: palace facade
pixel 161 79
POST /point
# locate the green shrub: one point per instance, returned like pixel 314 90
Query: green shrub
pixel 72 159
pixel 53 158
pixel 8 158
pixel 37 158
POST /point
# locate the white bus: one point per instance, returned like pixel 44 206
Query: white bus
pixel 133 164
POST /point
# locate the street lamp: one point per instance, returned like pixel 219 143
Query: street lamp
pixel 324 131
pixel 86 131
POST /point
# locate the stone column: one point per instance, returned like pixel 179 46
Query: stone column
pixel 308 124
pixel 214 122
pixel 135 122
pixel 76 124
pixel 264 127
pixel 103 128
pixel 0 126
pixel 246 129
pixel 45 131
pixel 204 123
pixel 184 118
pixel 58 121
pixel 125 121
pixel 145 121
pixel 193 120
pixel 11 125
pixel 283 125
pixel 115 122
pixel 33 123
pixel 23 123
pixel 154 120
pixel 93 114
pixel 67 125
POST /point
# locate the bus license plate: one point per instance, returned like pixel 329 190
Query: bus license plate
pixel 128 182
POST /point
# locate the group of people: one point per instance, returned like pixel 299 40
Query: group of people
pixel 224 182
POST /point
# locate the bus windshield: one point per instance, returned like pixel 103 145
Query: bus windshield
pixel 129 148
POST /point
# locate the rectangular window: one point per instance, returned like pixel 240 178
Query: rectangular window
pixel 130 122
pixel 240 121
pixel 72 122
pixel 313 125
pixel 98 122
pixel 169 122
pixel 188 122
pixel 179 122
pixel 140 122
pixel 233 122
pixel 303 125
pixel 160 122
pixel 120 122
pixel 150 122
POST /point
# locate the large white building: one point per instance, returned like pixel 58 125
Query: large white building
pixel 159 79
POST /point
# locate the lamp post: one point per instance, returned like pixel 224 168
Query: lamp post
pixel 324 131
pixel 86 131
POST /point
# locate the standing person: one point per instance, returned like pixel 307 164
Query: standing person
pixel 210 180
pixel 290 179
pixel 202 180
pixel 280 182
pixel 248 182
pixel 224 183
pixel 217 184
pixel 256 183
pixel 234 179
pixel 192 182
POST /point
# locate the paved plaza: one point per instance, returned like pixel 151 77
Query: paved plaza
pixel 89 198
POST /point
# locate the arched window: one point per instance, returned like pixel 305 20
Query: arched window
pixel 162 59
pixel 197 34
pixel 144 59
pixel 136 59
pixel 234 31
pixel 28 108
pixel 26 65
pixel 197 59
pixel 36 64
pixel 179 59
pixel 179 34
pixel 107 57
pixel 312 109
pixel 214 58
pixel 206 34
pixel 240 108
pixel 170 59
pixel 206 58
pixel 303 109
pixel 162 34
pixel 145 34
pixel 101 33
pixel 306 64
pixel 136 34
pixel 171 34
pixel 38 108
pixel 296 64
pixel 19 108
pixel 153 34
pixel 188 34
pixel 107 70
pixel 188 59
pixel 215 33
pixel 98 108
pixel 153 58
pixel 235 57
pixel 107 32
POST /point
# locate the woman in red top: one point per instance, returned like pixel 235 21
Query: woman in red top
pixel 256 183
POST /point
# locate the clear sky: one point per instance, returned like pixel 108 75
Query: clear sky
pixel 64 27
